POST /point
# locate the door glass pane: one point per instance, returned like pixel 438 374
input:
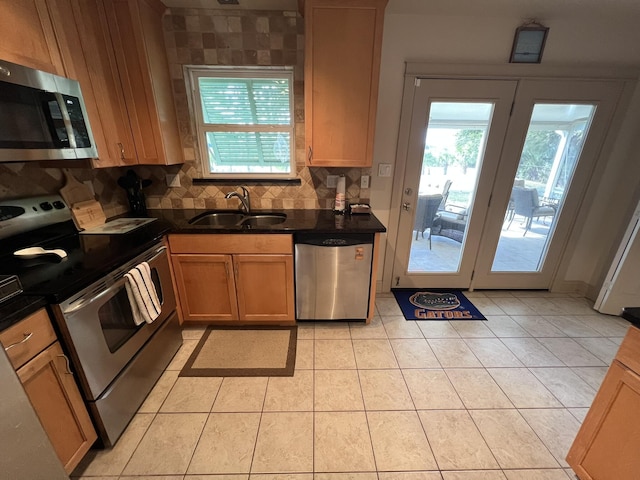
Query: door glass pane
pixel 454 148
pixel 548 160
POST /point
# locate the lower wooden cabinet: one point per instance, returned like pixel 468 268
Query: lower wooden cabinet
pixel 46 376
pixel 243 279
pixel 607 445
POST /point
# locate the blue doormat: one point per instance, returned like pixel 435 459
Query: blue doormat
pixel 434 304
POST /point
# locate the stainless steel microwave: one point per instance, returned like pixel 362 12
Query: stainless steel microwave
pixel 42 117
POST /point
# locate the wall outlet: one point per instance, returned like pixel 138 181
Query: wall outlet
pixel 173 180
pixel 332 181
pixel 364 181
pixel 384 170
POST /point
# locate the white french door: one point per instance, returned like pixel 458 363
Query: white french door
pixel 509 162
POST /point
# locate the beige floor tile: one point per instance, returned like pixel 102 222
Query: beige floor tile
pixel 592 375
pixel 487 306
pixel 183 354
pixel 567 387
pixel 456 442
pixel 290 393
pixel 431 390
pixel 159 392
pixel 452 353
pixel 602 348
pixel 523 388
pixel 409 476
pixel 573 306
pixel 606 325
pixel 571 474
pixel 532 353
pixel 515 306
pixel 480 294
pixel 346 476
pixel 387 306
pixel 226 444
pixel 554 474
pixel 496 294
pixel 342 443
pixel 385 390
pixel 399 327
pixel 113 460
pixel 337 390
pixel 579 413
pixel 572 326
pixel 279 476
pixel 505 326
pixel 304 355
pixel 193 333
pixel 437 329
pixel 513 443
pixel 332 331
pixel 492 352
pixel 102 478
pixel 373 354
pixel 571 352
pixel 151 477
pixel 471 328
pixel 375 329
pixel 557 429
pixel 414 353
pixel 477 389
pixel 306 330
pixel 537 326
pixel 399 442
pixel 542 306
pixel 192 394
pixel 241 394
pixel 474 475
pixel 333 354
pixel 616 340
pixel 168 445
pixel 285 443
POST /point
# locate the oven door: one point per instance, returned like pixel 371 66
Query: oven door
pixel 98 325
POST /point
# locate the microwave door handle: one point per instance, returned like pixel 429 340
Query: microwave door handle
pixel 158 252
pixel 85 301
pixel 66 120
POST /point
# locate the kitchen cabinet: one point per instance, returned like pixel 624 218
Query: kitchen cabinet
pixel 28 36
pixel 343 40
pixel 234 278
pixel 608 441
pixel 44 370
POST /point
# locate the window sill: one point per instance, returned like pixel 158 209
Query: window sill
pixel 247 181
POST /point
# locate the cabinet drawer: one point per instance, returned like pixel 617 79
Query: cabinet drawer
pixel 628 352
pixel 231 243
pixel 27 338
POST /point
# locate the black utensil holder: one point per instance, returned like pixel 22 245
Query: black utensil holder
pixel 137 203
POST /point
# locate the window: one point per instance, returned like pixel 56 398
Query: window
pixel 244 121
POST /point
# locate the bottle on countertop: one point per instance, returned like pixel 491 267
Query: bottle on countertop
pixel 340 203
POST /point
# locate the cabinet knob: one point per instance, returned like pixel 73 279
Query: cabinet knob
pixel 27 336
pixel 121 150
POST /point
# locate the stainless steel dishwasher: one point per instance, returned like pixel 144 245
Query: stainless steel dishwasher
pixel 333 275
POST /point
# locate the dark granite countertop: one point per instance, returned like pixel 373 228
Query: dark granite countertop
pixel 632 314
pixel 318 221
pixel 19 307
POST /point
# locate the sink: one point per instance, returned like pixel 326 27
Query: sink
pixel 237 219
pixel 264 220
pixel 217 219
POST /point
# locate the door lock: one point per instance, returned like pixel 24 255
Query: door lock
pixel 408 191
pixel 406 206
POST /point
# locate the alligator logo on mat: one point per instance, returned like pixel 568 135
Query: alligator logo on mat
pixel 435 301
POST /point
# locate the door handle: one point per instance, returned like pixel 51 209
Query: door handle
pixel 406 206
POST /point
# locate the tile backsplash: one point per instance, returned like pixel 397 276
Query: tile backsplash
pixel 209 37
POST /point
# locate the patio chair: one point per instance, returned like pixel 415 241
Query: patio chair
pixel 426 214
pixel 445 194
pixel 527 205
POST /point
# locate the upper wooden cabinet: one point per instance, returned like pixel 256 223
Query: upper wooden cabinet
pixel 28 36
pixel 343 40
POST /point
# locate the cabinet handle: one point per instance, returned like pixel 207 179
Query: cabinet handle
pixel 310 155
pixel 27 336
pixel 68 372
pixel 121 150
pixel 5 71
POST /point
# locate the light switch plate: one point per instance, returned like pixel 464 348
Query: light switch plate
pixel 173 180
pixel 384 170
pixel 332 181
pixel 364 181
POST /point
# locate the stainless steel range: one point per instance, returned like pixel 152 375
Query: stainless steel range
pixel 117 362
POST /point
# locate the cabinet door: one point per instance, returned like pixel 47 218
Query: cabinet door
pixel 138 41
pixel 265 287
pixel 608 442
pixel 342 65
pixel 89 58
pixel 53 392
pixel 28 37
pixel 206 287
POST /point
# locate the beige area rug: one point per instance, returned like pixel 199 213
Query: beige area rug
pixel 244 352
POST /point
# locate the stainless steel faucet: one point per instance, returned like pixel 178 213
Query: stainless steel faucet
pixel 245 200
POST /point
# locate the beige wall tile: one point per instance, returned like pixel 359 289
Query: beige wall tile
pixel 414 353
pixel 477 389
pixel 192 394
pixel 285 443
pixel 337 390
pixel 399 442
pixel 241 394
pixel 453 352
pixel 226 444
pixel 456 441
pixel 372 354
pixel 431 389
pixel 342 442
pixel 333 354
pixel 513 443
pixel 290 393
pixel 523 388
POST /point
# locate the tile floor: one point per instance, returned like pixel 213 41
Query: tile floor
pixel 394 400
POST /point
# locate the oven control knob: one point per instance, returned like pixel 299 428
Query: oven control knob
pixel 46 206
pixel 58 205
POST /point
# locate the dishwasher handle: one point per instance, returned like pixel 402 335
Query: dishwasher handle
pixel 334 240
